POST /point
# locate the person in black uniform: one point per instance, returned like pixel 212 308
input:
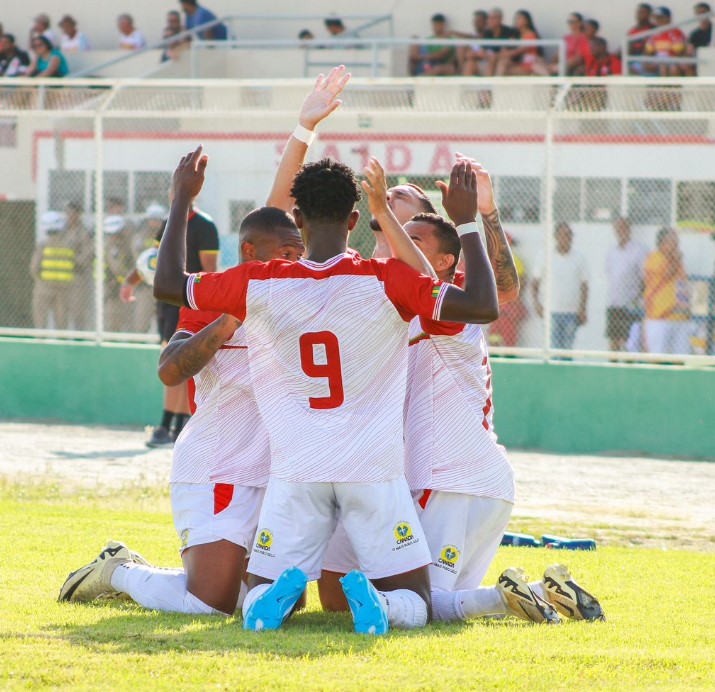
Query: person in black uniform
pixel 202 251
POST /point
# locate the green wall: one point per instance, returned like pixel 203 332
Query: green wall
pixel 561 407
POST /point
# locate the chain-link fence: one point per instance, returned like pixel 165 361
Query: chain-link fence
pixel 606 189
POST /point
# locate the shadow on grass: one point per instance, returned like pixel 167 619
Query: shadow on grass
pixel 313 634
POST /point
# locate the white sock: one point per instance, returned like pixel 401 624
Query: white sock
pixel 252 595
pixel 405 608
pixel 538 588
pixel 449 606
pixel 241 595
pixel 159 589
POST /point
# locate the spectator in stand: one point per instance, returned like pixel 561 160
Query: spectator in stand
pixel 306 35
pixel 576 44
pixel 667 299
pixel 434 60
pixel 669 43
pixel 624 274
pixel 196 15
pixel 47 61
pixel 41 27
pixel 470 56
pixel 130 38
pixel 13 61
pixel 335 26
pixel 173 28
pixel 72 41
pixel 700 37
pixel 496 31
pixel 637 47
pixel 522 61
pixel 602 63
pixel 590 31
pixel 569 294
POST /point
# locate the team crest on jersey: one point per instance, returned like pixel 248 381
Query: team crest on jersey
pixel 264 539
pixel 448 558
pixel 184 538
pixel 435 291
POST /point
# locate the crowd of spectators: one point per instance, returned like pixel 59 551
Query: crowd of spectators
pixel 47 48
pixel 586 51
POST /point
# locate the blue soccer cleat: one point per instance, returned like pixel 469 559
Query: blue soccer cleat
pixel 369 615
pixel 273 606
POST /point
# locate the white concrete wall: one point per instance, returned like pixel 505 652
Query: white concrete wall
pixel 97 18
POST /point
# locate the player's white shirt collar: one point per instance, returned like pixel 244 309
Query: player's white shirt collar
pixel 319 266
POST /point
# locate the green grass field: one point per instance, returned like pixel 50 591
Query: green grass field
pixel 660 607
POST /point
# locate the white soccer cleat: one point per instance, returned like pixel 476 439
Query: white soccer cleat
pixel 95 579
pixel 570 599
pixel 521 601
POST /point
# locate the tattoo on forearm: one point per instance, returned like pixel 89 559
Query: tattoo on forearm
pixel 500 256
pixel 193 357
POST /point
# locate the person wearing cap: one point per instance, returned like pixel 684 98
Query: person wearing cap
pixel 72 41
pixel 700 37
pixel 119 261
pixel 82 314
pixel 53 267
pixel 669 43
pixel 434 60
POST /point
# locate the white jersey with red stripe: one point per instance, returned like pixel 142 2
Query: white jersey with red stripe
pixel 327 345
pixel 450 443
pixel 225 440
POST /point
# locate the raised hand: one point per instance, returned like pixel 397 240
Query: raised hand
pixel 323 99
pixel 189 175
pixel 375 187
pixel 459 198
pixel 485 188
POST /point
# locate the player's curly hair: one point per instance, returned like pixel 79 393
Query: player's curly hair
pixel 445 232
pixel 326 190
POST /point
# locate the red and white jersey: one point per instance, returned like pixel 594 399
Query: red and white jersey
pixel 450 443
pixel 327 346
pixel 225 440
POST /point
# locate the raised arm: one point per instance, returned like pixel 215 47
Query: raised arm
pixel 187 182
pixel 505 272
pixel 186 354
pixel 477 303
pixel 400 244
pixel 318 105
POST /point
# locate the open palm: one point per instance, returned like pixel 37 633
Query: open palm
pixel 323 99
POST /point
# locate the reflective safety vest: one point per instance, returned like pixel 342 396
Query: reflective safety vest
pixel 57 264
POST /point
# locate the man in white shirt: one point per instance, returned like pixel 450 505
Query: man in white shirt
pixel 41 27
pixel 72 40
pixel 130 38
pixel 624 271
pixel 569 279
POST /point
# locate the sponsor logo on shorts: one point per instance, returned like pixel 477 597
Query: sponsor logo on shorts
pixel 404 535
pixel 184 538
pixel 264 541
pixel 448 558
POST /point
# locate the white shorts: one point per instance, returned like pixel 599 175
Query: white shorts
pixel 298 519
pixel 206 513
pixel 463 533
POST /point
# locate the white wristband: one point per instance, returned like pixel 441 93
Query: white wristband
pixel 303 134
pixel 476 226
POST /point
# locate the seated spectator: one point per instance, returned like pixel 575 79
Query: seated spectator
pixel 434 60
pixel 590 31
pixel 602 63
pixel 306 35
pixel 47 61
pixel 196 15
pixel 41 27
pixel 173 28
pixel 496 31
pixel 470 56
pixel 669 43
pixel 72 40
pixel 130 38
pixel 526 60
pixel 637 47
pixel 576 45
pixel 700 37
pixel 13 61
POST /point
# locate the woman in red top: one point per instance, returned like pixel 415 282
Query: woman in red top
pixel 526 60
